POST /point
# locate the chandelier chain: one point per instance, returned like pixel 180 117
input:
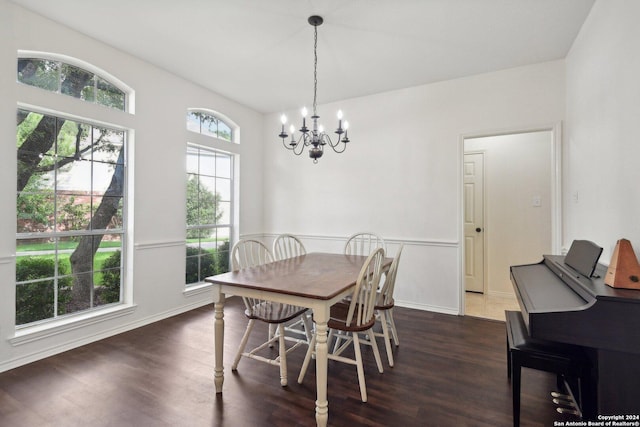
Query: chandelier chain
pixel 315 68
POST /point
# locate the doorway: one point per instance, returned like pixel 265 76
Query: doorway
pixel 517 193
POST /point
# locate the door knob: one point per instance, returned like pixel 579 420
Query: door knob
pixel 478 229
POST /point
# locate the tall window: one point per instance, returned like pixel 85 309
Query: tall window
pixel 70 197
pixel 209 215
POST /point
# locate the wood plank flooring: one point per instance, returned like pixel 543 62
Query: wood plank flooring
pixel 449 371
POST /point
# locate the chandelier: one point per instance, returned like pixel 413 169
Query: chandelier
pixel 314 138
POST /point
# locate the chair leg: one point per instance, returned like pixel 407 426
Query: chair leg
pixel 376 352
pixel 271 334
pixel 394 331
pixel 307 358
pixel 308 331
pixel 283 356
pixel 356 349
pixel 243 344
pixel 387 338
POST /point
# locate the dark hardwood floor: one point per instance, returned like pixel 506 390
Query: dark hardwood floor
pixel 449 371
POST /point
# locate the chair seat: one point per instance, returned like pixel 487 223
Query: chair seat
pixel 388 306
pixel 274 312
pixel 338 319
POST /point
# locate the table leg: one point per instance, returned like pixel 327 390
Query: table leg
pixel 218 332
pixel 322 405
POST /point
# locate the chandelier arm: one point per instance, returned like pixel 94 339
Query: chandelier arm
pixel 335 146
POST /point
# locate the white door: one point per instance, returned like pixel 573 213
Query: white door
pixel 473 222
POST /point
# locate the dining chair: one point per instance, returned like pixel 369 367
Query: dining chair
pixel 384 307
pixel 288 246
pixel 253 253
pixel 353 317
pixel 363 243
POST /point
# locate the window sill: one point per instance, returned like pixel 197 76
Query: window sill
pixel 50 329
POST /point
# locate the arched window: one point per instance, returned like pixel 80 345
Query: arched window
pixel 210 195
pixel 209 124
pixel 71 181
pixel 60 77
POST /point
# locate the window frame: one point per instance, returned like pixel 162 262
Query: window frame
pixel 48 103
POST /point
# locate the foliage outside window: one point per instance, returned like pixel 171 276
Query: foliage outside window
pixel 209 200
pixel 210 125
pixel 70 191
pixel 59 77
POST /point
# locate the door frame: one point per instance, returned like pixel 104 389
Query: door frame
pixel 555 157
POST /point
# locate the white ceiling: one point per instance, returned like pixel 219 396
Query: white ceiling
pixel 260 53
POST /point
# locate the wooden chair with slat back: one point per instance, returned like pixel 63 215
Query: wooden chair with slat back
pixel 363 243
pixel 252 253
pixel 384 306
pixel 287 246
pixel 355 316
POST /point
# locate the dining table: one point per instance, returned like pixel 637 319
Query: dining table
pixel 315 280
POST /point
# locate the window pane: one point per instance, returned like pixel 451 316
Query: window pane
pixel 34 301
pixel 223 165
pixel 35 211
pixel 224 131
pixel 207 201
pixel 192 199
pixel 223 188
pixel 74 80
pixel 84 300
pixel 207 163
pixel 224 213
pixel 74 212
pixel 107 145
pixel 192 160
pixel 107 267
pixel 39 73
pixel 109 95
pixel 74 178
pixel 193 122
pixel 209 125
pixel 111 207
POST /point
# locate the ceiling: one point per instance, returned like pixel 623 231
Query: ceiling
pixel 260 53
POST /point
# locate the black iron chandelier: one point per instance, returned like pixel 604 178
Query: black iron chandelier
pixel 314 138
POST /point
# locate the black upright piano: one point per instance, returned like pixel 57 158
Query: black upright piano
pixel 560 304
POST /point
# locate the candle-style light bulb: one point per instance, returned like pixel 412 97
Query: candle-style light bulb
pixel 339 114
pixel 320 128
pixel 304 112
pixel 283 119
pixel 292 129
pixel 346 125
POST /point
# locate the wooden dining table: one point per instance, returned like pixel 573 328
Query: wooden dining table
pixel 315 280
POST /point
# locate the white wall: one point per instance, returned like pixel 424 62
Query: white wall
pixel 157 227
pixel 517 168
pixel 401 175
pixel 603 112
